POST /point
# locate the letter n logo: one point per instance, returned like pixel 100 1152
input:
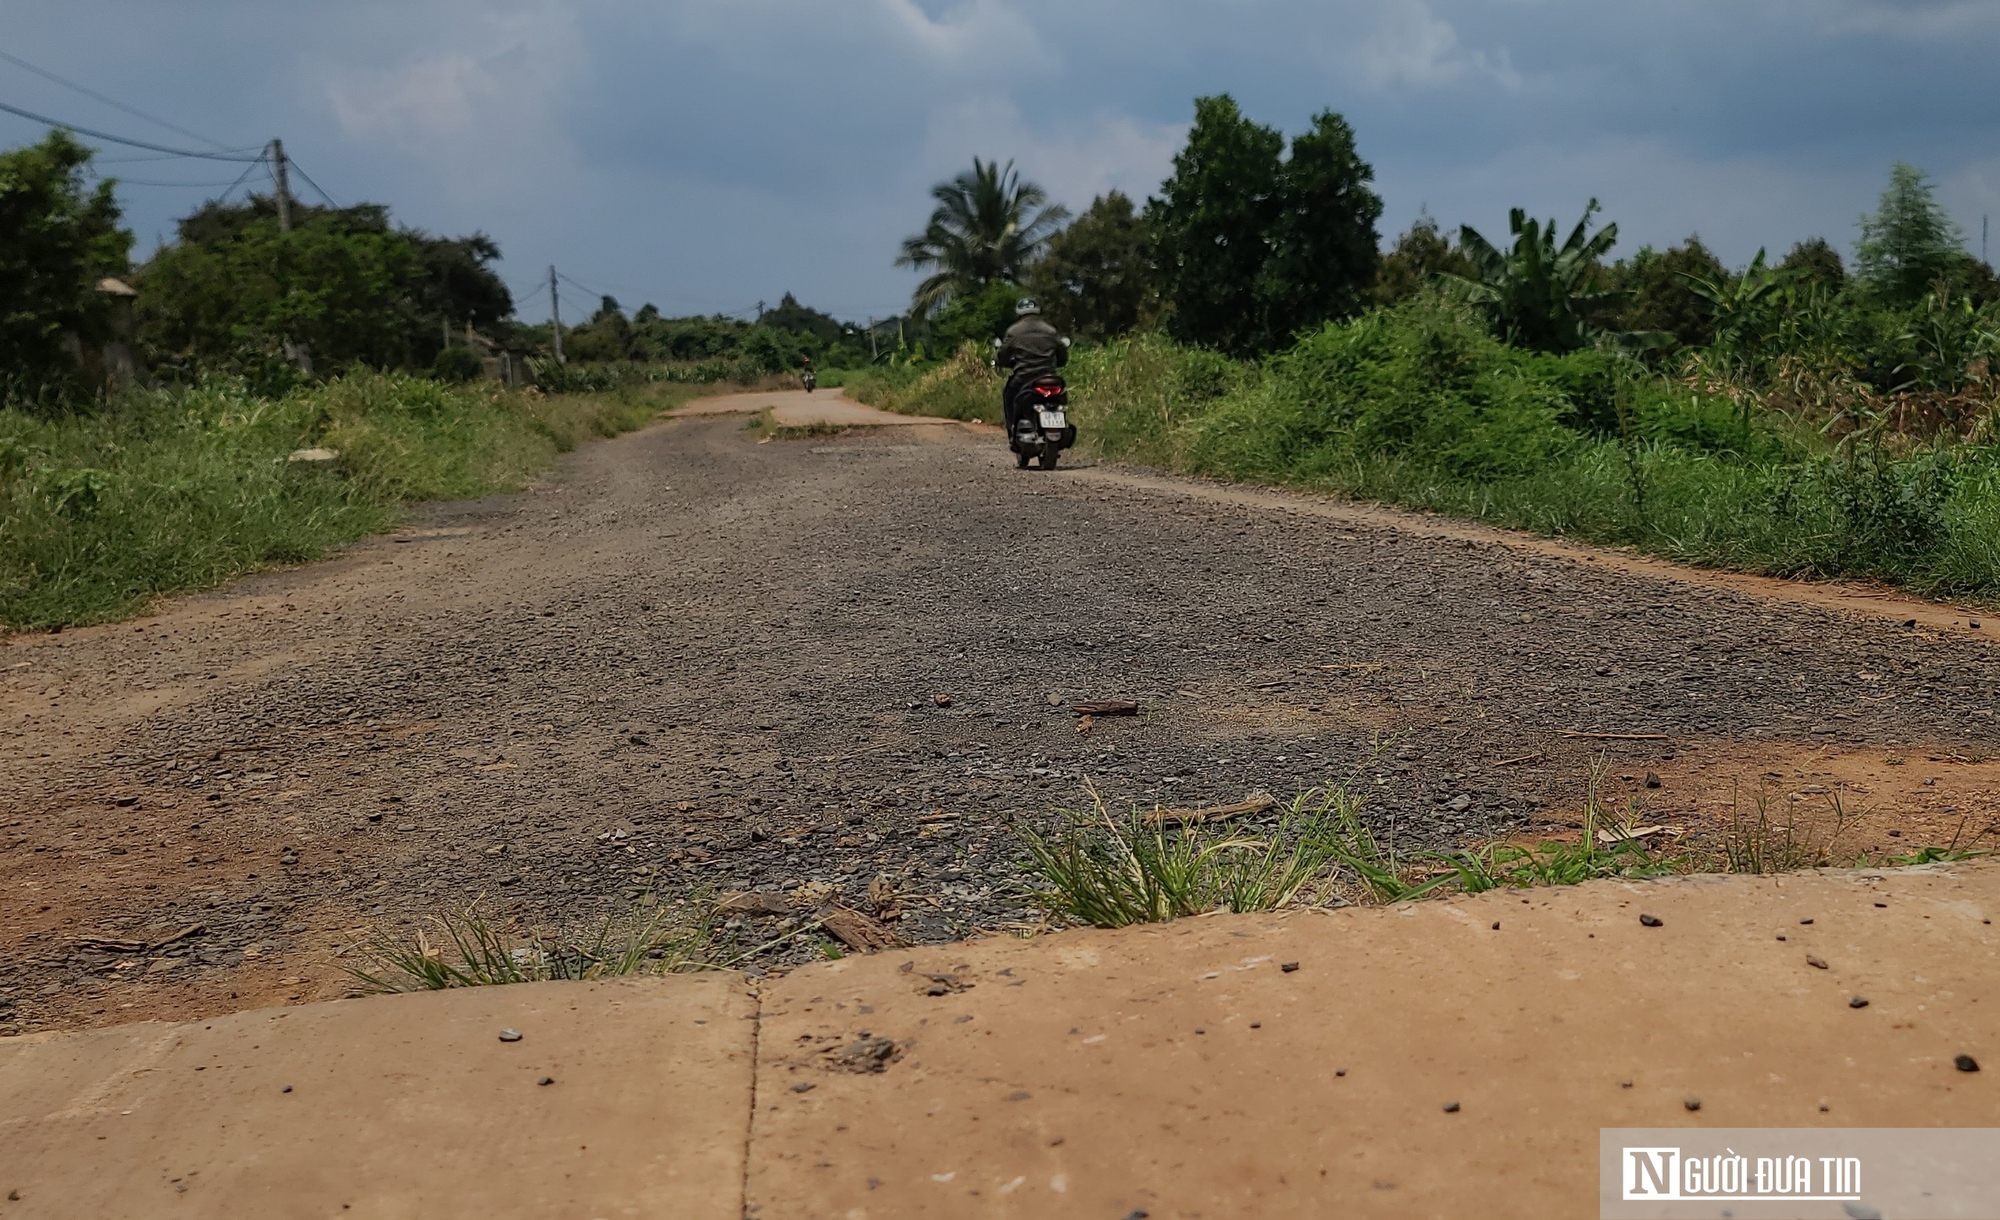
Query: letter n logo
pixel 1652 1173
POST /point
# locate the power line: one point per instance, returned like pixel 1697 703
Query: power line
pixel 101 135
pixel 18 62
pixel 155 182
pixel 574 283
pixel 294 163
pixel 240 178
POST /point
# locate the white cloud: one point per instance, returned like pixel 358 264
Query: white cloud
pixel 1411 45
pixel 1076 163
pixel 497 80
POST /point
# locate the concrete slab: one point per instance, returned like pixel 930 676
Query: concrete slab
pixel 408 1106
pixel 1180 1071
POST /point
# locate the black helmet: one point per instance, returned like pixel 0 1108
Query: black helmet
pixel 1026 306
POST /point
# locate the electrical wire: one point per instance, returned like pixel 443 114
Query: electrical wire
pixel 154 182
pixel 240 179
pixel 18 62
pixel 309 182
pixel 579 286
pixel 101 135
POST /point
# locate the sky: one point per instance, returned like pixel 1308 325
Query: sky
pixel 705 156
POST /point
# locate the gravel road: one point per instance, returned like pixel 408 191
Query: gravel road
pixel 694 663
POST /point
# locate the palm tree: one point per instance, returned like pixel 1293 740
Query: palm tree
pixel 988 225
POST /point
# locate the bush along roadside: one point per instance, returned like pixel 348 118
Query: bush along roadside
pixel 173 490
pixel 1420 406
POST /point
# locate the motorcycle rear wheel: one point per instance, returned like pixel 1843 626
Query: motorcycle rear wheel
pixel 1048 458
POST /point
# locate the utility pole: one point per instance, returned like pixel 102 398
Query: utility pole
pixel 1983 218
pixel 284 186
pixel 555 312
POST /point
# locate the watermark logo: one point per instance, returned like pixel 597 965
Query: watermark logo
pixel 1658 1172
pixel 1772 1173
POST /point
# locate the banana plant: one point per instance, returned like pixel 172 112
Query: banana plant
pixel 1741 307
pixel 1944 342
pixel 1539 293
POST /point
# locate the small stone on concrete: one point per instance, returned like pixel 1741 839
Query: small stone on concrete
pixel 510 1034
pixel 1966 1063
pixel 1858 1002
pixel 1651 921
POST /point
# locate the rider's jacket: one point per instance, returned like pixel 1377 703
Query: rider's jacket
pixel 1032 348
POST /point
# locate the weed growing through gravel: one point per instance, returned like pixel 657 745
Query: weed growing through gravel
pixel 469 951
pixel 1111 872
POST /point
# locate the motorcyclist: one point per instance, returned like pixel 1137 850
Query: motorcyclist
pixel 1031 349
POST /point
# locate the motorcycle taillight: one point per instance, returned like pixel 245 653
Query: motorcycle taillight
pixel 1048 391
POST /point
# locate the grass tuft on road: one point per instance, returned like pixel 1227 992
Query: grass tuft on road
pixel 173 490
pixel 1107 871
pixel 468 950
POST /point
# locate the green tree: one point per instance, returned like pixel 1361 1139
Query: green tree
pixel 337 286
pixel 1539 294
pixel 1324 249
pixel 822 330
pixel 1653 290
pixel 977 317
pixel 1253 246
pixel 988 225
pixel 57 240
pixel 1419 256
pixel 1096 280
pixel 1814 260
pixel 608 335
pixel 344 285
pixel 458 282
pixel 1211 223
pixel 1910 242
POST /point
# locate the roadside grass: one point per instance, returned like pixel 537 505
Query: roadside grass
pixel 468 950
pixel 1110 871
pixel 1418 406
pixel 167 491
pixel 964 386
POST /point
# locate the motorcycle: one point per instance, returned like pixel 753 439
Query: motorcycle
pixel 1041 421
pixel 809 380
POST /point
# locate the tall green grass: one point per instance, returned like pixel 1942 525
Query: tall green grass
pixel 172 490
pixel 1421 407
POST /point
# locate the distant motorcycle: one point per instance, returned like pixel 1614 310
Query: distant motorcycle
pixel 808 380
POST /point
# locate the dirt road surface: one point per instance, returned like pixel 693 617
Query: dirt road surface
pixel 694 662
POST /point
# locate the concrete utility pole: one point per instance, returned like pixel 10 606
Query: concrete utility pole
pixel 284 186
pixel 555 312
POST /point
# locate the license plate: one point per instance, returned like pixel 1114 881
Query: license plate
pixel 1053 419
